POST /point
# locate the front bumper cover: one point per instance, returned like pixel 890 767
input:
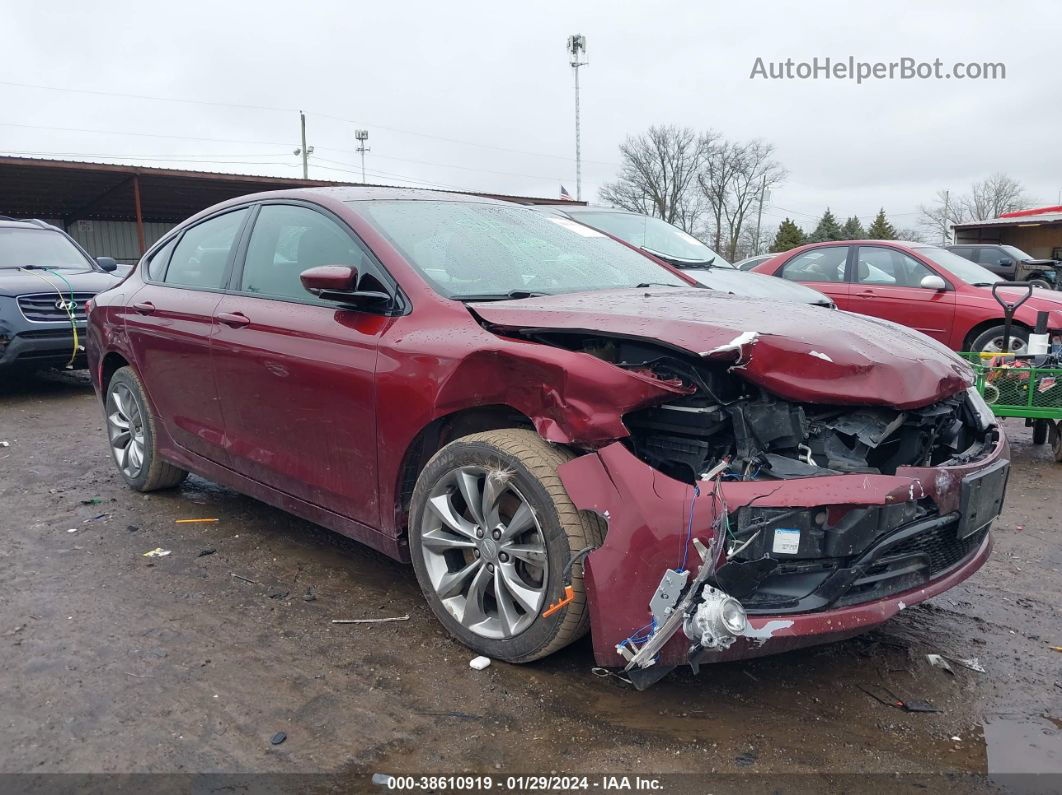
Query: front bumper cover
pixel 649 515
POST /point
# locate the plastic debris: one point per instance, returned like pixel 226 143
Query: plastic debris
pixel 890 699
pixel 157 552
pixel 369 620
pixel 973 663
pixel 279 593
pixel 197 521
pixel 1056 648
pixel 310 595
pixel 278 738
pixel 939 662
pixel 245 579
pixel 5 443
pixel 478 663
pixel 93 501
pixel 204 552
pixel 97 518
pixel 132 528
pixel 73 530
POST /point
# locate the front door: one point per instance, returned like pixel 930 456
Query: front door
pixel 887 284
pixel 170 321
pixel 296 375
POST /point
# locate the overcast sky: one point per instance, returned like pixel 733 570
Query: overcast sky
pixel 478 95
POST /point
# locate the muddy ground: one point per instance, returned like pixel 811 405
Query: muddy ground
pixel 114 662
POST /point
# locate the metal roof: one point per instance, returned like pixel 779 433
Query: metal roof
pixel 73 190
pixel 1032 219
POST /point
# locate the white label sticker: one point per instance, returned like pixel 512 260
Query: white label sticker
pixel 576 227
pixel 786 540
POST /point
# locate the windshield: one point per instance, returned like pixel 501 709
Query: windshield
pixel 652 234
pixel 962 268
pixel 472 251
pixel 1016 252
pixel 41 247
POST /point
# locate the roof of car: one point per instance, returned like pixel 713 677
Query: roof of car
pixel 351 193
pixel 8 222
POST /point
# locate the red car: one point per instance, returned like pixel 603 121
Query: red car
pixel 559 432
pixel 925 287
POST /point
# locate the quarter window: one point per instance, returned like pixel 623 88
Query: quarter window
pixel 200 258
pixel 888 267
pixel 817 265
pixel 156 266
pixel 287 240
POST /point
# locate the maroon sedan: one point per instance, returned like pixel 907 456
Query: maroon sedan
pixel 921 286
pixel 557 431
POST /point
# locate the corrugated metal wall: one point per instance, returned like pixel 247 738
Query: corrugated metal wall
pixel 114 238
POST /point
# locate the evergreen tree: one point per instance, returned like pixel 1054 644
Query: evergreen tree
pixel 881 229
pixel 789 236
pixel 853 230
pixel 827 229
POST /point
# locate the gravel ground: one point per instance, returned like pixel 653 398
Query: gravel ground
pixel 111 662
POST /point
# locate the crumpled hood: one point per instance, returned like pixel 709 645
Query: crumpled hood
pixel 83 280
pixel 798 352
pixel 756 285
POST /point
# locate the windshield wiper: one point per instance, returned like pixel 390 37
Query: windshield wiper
pixel 982 284
pixel 512 294
pixel 660 284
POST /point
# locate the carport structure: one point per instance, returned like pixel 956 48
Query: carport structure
pixel 120 210
pixel 1037 231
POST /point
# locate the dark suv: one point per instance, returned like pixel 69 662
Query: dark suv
pixel 45 280
pixel 1011 263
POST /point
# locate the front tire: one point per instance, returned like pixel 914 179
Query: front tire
pixel 131 433
pixel 1042 283
pixel 491 530
pixel 1040 428
pixel 991 340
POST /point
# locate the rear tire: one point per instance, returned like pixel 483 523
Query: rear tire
pixel 490 565
pixel 131 431
pixel 1043 283
pixel 1039 434
pixel 991 340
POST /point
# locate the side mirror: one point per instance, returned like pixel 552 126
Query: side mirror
pixel 339 283
pixel 1006 263
pixel 933 282
pixel 107 264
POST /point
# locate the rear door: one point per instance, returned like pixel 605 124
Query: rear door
pixel 296 375
pixel 823 269
pixel 170 321
pixel 887 284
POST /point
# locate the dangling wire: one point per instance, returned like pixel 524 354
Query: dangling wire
pixel 67 306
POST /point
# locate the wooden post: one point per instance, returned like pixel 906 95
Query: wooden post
pixel 139 214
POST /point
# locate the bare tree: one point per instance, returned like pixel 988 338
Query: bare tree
pixel 989 198
pixel 732 181
pixel 937 218
pixel 994 196
pixel 659 171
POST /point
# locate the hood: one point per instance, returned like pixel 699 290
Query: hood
pixel 1048 263
pixel 800 353
pixel 1039 301
pixel 82 279
pixel 756 285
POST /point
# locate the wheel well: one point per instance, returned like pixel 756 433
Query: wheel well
pixel 976 331
pixel 110 365
pixel 439 433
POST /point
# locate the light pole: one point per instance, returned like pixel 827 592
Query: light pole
pixel 304 150
pixel 361 136
pixel 577 57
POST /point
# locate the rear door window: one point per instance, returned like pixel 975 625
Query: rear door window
pixel 887 267
pixel 202 255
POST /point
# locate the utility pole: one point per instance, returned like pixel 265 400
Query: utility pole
pixel 759 212
pixel 947 218
pixel 577 45
pixel 304 150
pixel 361 136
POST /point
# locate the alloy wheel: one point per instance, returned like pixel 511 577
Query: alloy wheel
pixel 995 345
pixel 125 428
pixel 484 551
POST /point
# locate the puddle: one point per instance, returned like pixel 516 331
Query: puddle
pixel 1024 754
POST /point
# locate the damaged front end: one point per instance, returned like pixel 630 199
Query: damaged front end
pixel 805 521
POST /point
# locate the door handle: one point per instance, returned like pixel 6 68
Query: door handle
pixel 146 308
pixel 867 293
pixel 233 319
